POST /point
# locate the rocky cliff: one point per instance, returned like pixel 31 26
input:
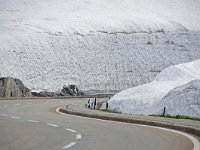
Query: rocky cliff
pixel 11 87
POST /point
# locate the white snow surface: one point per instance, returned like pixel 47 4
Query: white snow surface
pixel 184 100
pixel 147 99
pixel 95 44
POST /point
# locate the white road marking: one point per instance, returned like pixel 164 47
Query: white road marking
pixel 32 120
pixel 69 145
pixel 5 106
pixel 195 142
pixel 58 110
pixel 17 104
pixel 3 114
pixel 71 130
pixel 78 136
pixel 53 125
pixel 29 103
pixel 15 117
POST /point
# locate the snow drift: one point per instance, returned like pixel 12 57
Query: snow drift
pixel 151 98
pixel 95 44
pixel 186 98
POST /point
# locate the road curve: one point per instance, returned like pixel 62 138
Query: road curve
pixel 35 125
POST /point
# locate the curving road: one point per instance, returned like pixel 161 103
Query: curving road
pixel 35 125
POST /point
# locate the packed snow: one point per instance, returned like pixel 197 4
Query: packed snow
pixel 95 44
pixel 184 100
pixel 151 98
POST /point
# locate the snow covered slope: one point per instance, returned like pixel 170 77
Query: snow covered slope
pixel 146 99
pixel 186 98
pixel 95 44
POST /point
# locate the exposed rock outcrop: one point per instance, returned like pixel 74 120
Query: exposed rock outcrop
pixel 12 87
pixel 45 94
pixel 71 90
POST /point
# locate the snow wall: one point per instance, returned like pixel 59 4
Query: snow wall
pixel 173 88
pixel 95 44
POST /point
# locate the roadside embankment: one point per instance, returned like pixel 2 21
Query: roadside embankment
pixel 189 126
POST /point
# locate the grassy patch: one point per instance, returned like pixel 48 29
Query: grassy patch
pixel 99 104
pixel 177 117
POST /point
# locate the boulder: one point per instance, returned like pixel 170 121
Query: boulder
pixel 44 94
pixel 12 87
pixel 71 90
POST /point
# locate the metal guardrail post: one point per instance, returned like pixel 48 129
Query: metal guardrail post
pixel 164 111
pixel 95 101
pixel 89 103
pixel 106 106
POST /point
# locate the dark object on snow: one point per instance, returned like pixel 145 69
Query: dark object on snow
pixel 106 106
pixel 71 90
pixel 149 43
pixel 95 101
pixel 45 94
pixel 12 87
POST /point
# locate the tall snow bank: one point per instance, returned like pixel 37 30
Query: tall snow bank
pixel 145 99
pixel 95 44
pixel 184 100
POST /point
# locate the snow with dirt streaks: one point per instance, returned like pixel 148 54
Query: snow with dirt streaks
pixel 95 44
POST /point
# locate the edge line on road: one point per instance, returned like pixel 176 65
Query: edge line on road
pixel 69 145
pixel 196 144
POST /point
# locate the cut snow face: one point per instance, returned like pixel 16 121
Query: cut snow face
pixel 184 100
pixel 146 99
pixel 95 44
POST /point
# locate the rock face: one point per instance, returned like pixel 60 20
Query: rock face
pixel 45 94
pixel 183 100
pixel 11 87
pixel 70 90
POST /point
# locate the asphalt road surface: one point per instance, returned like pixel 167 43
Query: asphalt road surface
pixel 34 125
